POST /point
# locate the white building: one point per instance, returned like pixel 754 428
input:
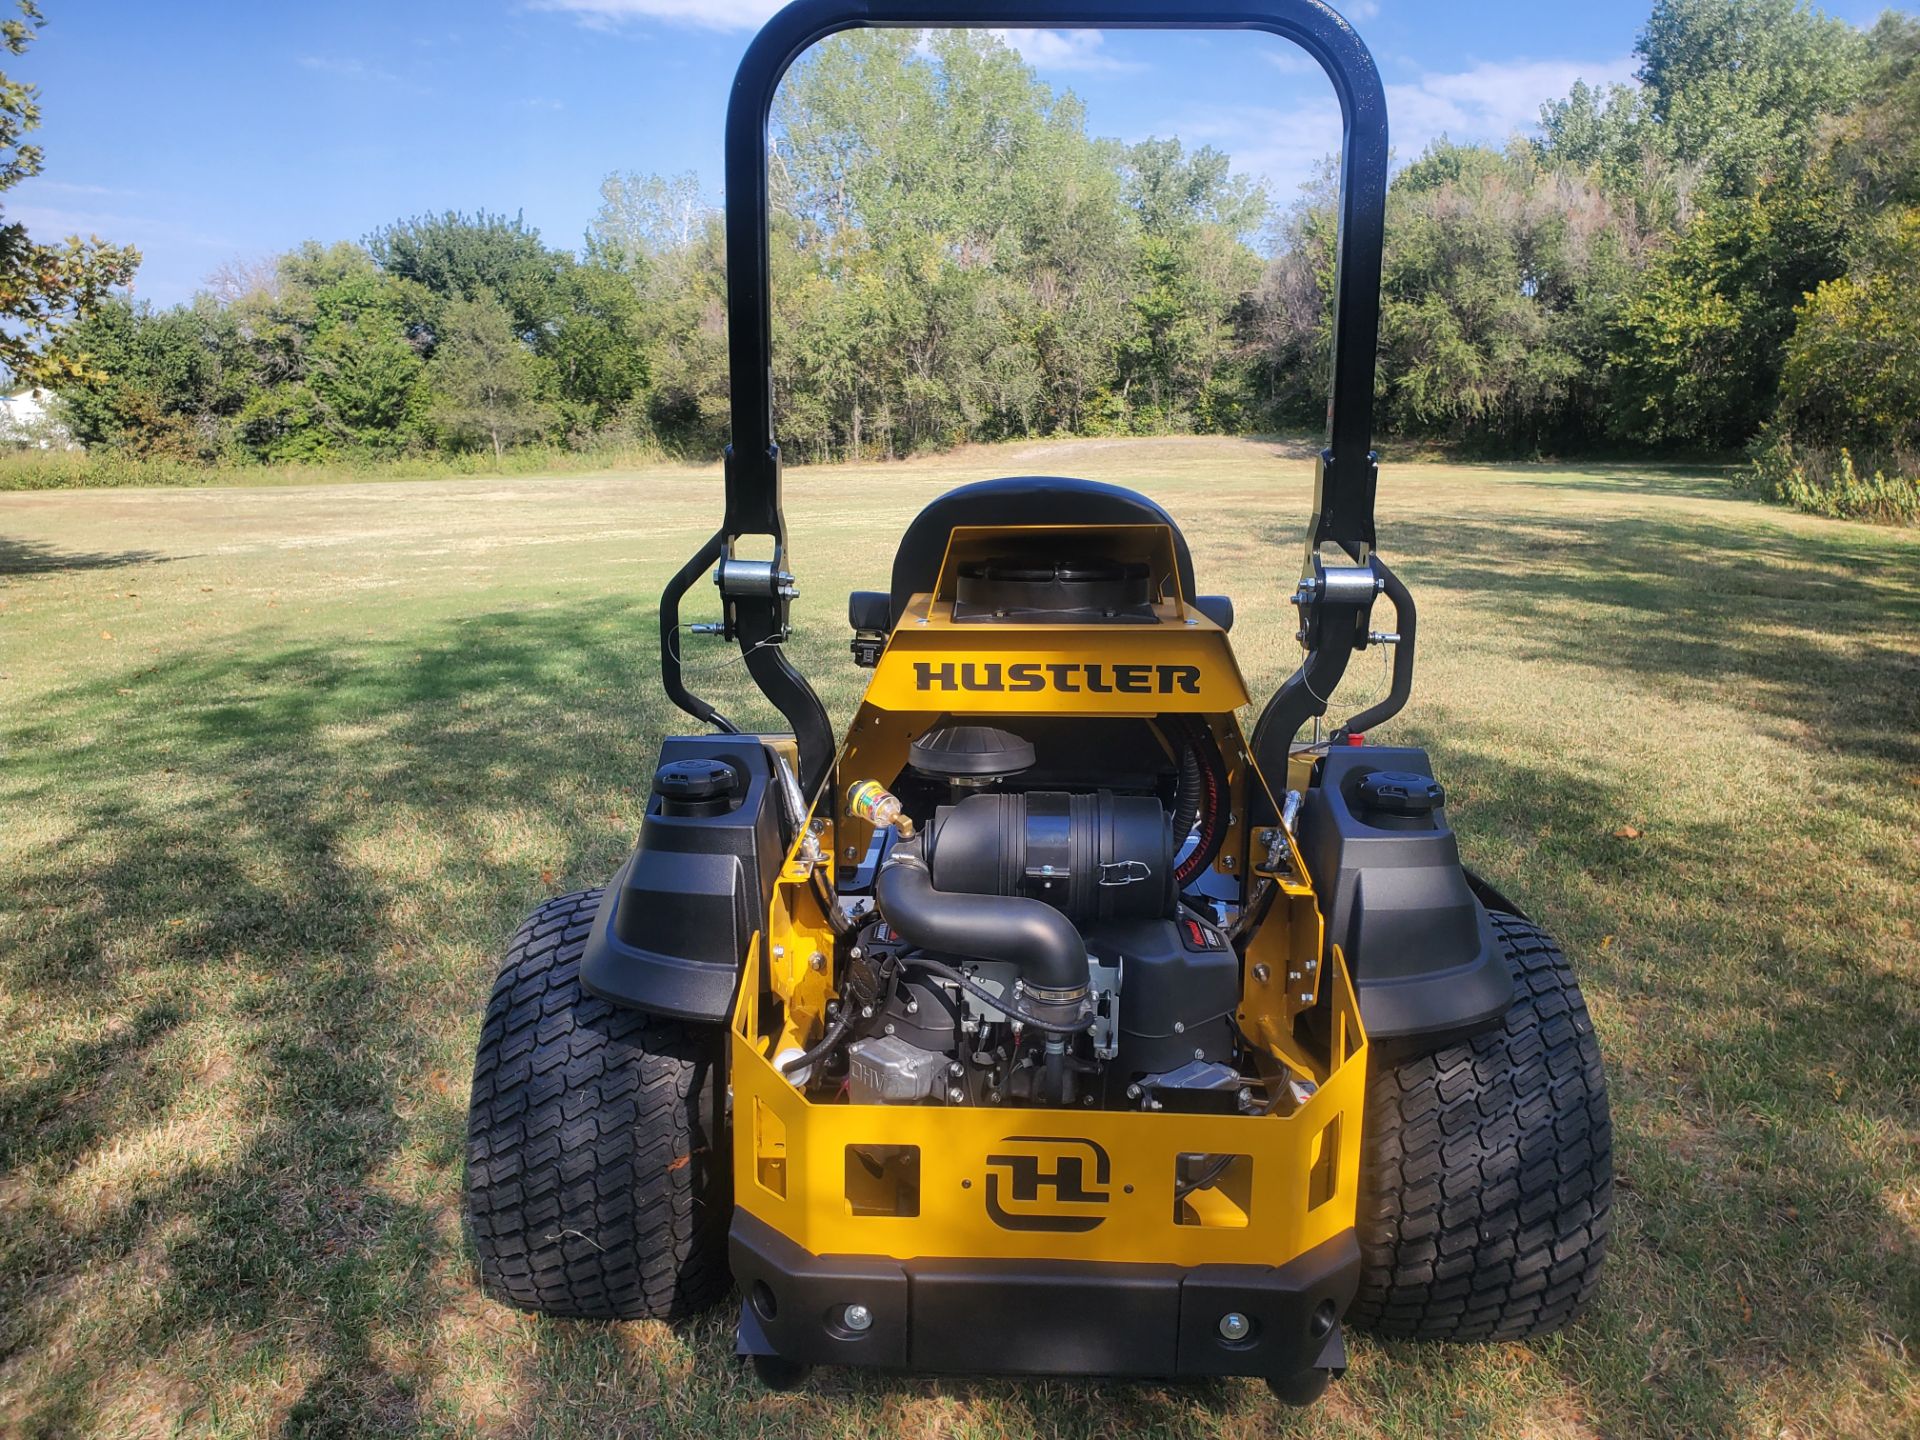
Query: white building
pixel 26 420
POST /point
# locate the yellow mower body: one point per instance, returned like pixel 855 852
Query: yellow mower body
pixel 1293 1187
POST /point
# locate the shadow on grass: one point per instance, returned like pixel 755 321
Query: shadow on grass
pixel 1671 482
pixel 1815 630
pixel 214 877
pixel 295 858
pixel 1761 1079
pixel 32 557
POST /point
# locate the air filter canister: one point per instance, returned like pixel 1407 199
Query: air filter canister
pixel 1097 857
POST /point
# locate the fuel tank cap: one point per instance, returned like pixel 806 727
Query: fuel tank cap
pixel 1400 792
pixel 696 785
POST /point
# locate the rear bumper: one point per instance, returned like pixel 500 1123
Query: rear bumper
pixel 1042 1317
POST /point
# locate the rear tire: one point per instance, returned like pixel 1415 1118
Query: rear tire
pixel 598 1178
pixel 1487 1168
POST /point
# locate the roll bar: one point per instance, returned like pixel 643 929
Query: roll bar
pixel 756 596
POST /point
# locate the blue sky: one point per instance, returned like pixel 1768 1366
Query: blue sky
pixel 216 131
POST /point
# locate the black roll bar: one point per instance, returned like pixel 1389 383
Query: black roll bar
pixel 1347 474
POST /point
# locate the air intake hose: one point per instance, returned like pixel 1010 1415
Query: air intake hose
pixel 1029 934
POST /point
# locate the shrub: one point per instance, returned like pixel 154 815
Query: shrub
pixel 1830 483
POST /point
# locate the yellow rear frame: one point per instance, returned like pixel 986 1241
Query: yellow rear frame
pixel 1106 1178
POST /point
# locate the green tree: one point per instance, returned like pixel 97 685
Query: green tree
pixel 1852 369
pixel 161 382
pixel 1874 149
pixel 596 347
pixel 45 290
pixel 643 217
pixel 488 387
pixel 1742 86
pixel 458 256
pixel 338 358
pixel 1695 358
pixel 1191 269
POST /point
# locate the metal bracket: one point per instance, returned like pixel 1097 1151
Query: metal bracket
pixel 740 579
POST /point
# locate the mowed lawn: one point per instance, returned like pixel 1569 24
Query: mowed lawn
pixel 280 769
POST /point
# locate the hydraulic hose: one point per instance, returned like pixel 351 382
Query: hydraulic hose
pixel 823 1046
pixel 1191 790
pixel 1203 767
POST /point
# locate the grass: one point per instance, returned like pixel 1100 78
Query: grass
pixel 279 769
pixel 26 469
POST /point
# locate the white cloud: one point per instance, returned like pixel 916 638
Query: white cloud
pixel 69 187
pixel 708 14
pixel 1284 143
pixel 1280 144
pixel 1359 10
pixel 1063 49
pixel 1290 59
pixel 1488 102
pixel 48 223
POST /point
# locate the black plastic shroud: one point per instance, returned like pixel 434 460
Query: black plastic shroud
pixel 1344 490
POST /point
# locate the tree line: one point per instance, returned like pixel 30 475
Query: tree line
pixel 1726 253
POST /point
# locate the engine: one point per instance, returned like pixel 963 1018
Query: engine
pixel 1033 947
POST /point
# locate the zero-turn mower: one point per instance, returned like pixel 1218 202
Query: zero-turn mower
pixel 1046 1023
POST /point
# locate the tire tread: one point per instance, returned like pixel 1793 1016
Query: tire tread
pixel 597 1175
pixel 1487 1169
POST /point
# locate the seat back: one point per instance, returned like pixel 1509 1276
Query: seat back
pixel 1019 500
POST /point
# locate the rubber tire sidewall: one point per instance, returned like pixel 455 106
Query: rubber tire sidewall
pixel 599 1179
pixel 1487 1168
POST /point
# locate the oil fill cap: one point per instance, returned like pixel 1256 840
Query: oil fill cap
pixel 1400 792
pixel 698 785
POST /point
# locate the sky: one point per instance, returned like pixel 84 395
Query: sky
pixel 220 131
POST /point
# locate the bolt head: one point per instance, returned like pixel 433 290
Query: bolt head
pixel 817 961
pixel 1133 1092
pixel 1262 973
pixel 1179 1027
pixel 1235 1326
pixel 955 1094
pixel 858 1318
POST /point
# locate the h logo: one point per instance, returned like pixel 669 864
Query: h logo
pixel 1057 1164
